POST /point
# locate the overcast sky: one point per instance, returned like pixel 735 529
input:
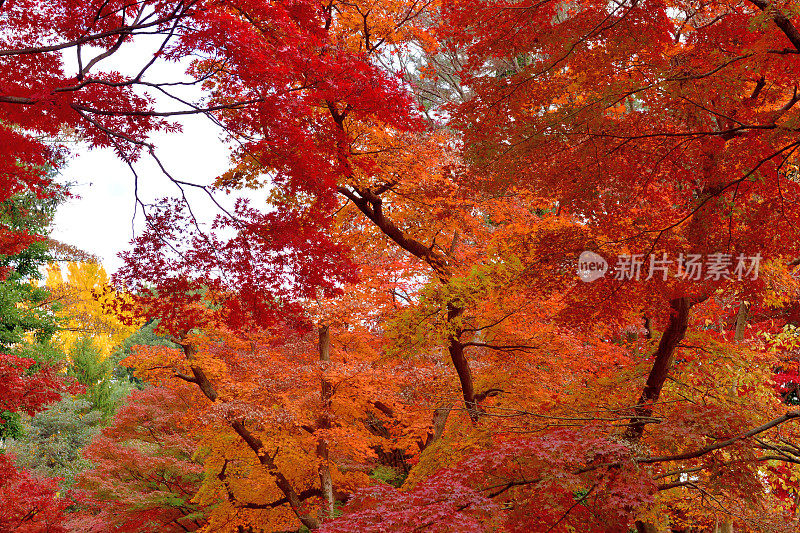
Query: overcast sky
pixel 98 220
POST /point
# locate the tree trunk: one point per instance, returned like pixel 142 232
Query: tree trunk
pixel 371 205
pixel 324 469
pixel 673 335
pixel 456 350
pixel 440 415
pixel 200 379
pixel 725 527
pixel 646 527
pixel 324 343
pixel 741 321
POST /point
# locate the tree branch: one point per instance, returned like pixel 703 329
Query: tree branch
pixel 718 445
pixel 781 21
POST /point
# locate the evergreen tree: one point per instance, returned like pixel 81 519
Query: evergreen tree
pixel 53 438
pixel 103 390
pixel 27 323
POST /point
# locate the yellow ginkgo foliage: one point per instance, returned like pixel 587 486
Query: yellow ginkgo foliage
pixel 83 298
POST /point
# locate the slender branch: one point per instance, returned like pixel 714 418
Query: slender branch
pixel 791 415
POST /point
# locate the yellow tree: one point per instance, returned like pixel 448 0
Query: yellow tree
pixel 84 304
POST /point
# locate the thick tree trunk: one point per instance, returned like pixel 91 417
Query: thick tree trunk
pixel 456 350
pixel 725 527
pixel 673 335
pixel 646 527
pixel 325 480
pixel 440 415
pixel 324 343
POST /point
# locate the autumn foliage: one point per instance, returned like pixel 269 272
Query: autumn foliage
pixel 145 473
pixel 30 502
pixel 398 338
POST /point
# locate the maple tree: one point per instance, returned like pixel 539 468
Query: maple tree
pixel 662 172
pixel 104 109
pixel 29 502
pixel 407 299
pixel 584 217
pixel 496 293
pixel 144 470
pixel 303 425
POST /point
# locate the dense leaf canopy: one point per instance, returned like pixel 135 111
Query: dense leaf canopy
pixel 521 266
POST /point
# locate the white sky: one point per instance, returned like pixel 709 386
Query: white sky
pixel 98 221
